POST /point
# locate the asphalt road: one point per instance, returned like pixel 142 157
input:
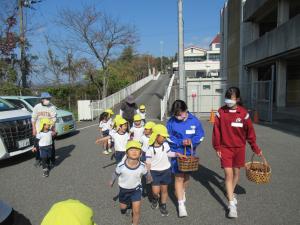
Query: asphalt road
pixel 79 174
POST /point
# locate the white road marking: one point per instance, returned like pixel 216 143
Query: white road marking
pixel 82 128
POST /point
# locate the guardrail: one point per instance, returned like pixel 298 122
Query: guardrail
pixel 88 110
pixel 164 101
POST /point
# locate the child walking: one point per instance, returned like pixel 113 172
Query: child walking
pixel 157 161
pixel 137 130
pixel 145 139
pixel 105 127
pixel 44 143
pixel 130 173
pixel 232 128
pixel 120 138
pixel 142 112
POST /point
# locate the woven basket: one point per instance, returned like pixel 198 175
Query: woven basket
pixel 188 164
pixel 258 172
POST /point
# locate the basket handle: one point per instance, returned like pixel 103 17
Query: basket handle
pixel 263 159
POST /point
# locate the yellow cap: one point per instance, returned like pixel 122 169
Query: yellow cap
pixel 69 212
pixel 109 111
pixel 120 122
pixel 142 107
pixel 117 117
pixel 158 129
pixel 45 121
pixel 137 117
pixel 149 125
pixel 133 144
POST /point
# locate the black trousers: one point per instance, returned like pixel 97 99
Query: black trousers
pixel 37 153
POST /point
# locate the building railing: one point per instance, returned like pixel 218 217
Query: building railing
pixel 89 110
pixel 164 101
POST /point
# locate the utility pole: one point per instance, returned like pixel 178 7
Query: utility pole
pixel 161 55
pixel 22 45
pixel 182 81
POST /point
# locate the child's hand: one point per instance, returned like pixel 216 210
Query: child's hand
pixel 180 155
pixel 34 149
pixel 187 142
pixel 111 184
pixel 219 154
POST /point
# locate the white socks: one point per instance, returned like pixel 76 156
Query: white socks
pixel 181 202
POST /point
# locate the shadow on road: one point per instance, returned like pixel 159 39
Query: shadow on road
pixel 16 159
pixel 210 179
pixel 63 153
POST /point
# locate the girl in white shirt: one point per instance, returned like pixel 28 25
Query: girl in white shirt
pixel 105 127
pixel 145 139
pixel 120 138
pixel 137 130
pixel 157 160
pixel 142 112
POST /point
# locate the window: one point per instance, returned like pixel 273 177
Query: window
pixel 214 57
pixel 194 58
pixel 19 104
pixel 219 90
pixel 33 101
pixel 206 87
pixel 218 45
pixel 5 105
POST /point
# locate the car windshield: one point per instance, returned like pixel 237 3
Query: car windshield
pixel 33 101
pixel 5 106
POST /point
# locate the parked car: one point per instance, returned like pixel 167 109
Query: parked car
pixel 15 130
pixel 65 122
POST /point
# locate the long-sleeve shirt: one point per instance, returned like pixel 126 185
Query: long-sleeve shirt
pixel 40 112
pixel 232 128
pixel 190 128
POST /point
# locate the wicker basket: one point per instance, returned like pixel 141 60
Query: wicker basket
pixel 258 172
pixel 188 164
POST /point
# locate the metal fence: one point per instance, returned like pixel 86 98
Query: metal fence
pixel 89 110
pixel 204 97
pixel 165 100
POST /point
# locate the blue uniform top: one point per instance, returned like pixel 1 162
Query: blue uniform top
pixel 178 130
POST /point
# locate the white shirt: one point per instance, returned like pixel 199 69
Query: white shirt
pixel 138 132
pixel 105 125
pixel 143 115
pixel 145 143
pixel 45 138
pixel 130 178
pixel 120 140
pixel 158 158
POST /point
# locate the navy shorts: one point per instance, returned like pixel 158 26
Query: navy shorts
pixel 161 177
pixel 105 133
pixel 119 156
pixel 126 196
pixel 45 151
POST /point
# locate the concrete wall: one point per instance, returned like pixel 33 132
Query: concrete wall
pixel 233 38
pixel 285 38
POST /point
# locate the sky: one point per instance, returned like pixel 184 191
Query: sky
pixel 155 21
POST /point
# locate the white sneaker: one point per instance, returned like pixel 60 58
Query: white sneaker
pixel 105 152
pixel 109 150
pixel 232 211
pixel 182 211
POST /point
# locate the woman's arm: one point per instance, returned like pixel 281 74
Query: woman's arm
pixel 251 137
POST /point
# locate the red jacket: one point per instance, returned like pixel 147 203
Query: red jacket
pixel 232 128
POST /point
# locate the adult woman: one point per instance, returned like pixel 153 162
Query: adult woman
pixel 185 131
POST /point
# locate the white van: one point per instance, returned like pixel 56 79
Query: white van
pixel 15 130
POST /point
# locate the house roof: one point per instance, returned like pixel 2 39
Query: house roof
pixel 217 39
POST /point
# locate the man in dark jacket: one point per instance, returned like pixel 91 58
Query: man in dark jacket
pixel 128 109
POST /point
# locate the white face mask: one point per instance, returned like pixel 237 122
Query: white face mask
pixel 230 103
pixel 46 102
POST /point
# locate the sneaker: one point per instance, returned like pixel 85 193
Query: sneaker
pixel 45 173
pixel 105 152
pixel 37 163
pixel 232 211
pixel 154 204
pixel 182 211
pixel 109 150
pixel 163 210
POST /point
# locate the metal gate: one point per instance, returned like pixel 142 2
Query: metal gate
pixel 262 99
